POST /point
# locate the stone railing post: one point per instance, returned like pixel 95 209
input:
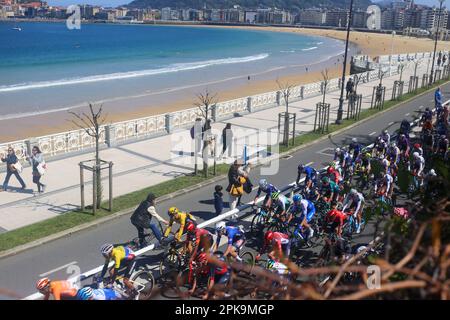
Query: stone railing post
pixel 169 124
pixel 302 92
pixel 278 98
pixel 110 135
pixel 249 104
pixel 30 143
pixel 214 114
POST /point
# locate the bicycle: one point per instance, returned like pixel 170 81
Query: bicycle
pixel 350 226
pixel 191 278
pixel 148 238
pixel 174 260
pixel 260 220
pixel 141 278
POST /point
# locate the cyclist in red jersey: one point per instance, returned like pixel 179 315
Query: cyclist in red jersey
pixel 337 218
pixel 279 244
pixel 334 174
pixel 197 240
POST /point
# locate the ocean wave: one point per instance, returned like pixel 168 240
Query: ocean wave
pixel 177 67
pixel 309 49
pixel 287 51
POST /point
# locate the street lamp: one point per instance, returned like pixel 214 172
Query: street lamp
pixel 435 40
pixel 341 99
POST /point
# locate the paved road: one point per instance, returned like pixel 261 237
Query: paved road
pixel 20 272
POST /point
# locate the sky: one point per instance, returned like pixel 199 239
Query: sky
pixel 114 3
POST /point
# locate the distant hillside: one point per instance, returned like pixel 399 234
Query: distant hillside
pixel 292 5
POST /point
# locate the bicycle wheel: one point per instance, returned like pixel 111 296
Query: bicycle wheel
pixel 171 262
pixel 247 258
pixel 143 282
pixel 257 224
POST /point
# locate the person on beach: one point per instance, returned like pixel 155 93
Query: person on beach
pixel 37 162
pixel 218 200
pixel 227 139
pixel 11 162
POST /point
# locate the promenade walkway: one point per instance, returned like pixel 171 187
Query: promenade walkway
pixel 145 163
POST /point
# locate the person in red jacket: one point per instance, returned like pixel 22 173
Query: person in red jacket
pixel 278 243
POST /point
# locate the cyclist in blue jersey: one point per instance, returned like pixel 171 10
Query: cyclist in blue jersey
pixel 87 293
pixel 236 239
pixel 310 173
pixel 302 213
pixel 268 189
pixel 356 148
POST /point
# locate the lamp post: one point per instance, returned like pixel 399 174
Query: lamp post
pixel 341 99
pixel 392 53
pixel 435 41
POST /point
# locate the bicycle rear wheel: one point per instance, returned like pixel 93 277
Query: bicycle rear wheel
pixel 257 224
pixel 247 258
pixel 143 282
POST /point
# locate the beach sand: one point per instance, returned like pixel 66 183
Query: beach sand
pixel 367 43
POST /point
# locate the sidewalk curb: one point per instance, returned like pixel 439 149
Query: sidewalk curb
pixel 88 225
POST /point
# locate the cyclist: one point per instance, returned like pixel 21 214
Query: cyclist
pixel 219 273
pixel 427 115
pixel 386 184
pixel 403 145
pixel 418 166
pixel 380 146
pixel 405 127
pixel 280 204
pixel 177 216
pixel 268 189
pixel 394 153
pixel 330 189
pixel 333 173
pixel 61 290
pixel 336 218
pixel 278 243
pixel 197 240
pixel 355 199
pixel 356 148
pixel 310 177
pixel 364 162
pixel 418 148
pixel 386 136
pixel 87 293
pixel 236 239
pixel 305 210
pixel 121 255
pixel 442 145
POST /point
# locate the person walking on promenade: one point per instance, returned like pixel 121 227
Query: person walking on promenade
pixel 227 140
pixel 11 163
pixel 142 217
pixel 38 164
pixel 349 87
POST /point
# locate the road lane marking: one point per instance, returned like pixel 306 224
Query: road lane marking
pixel 390 123
pixel 57 269
pixel 420 107
pixel 407 114
pixel 372 133
pixel 309 163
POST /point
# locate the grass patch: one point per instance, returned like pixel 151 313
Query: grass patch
pixel 72 219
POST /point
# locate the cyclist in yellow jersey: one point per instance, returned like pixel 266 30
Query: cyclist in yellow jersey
pixel 121 256
pixel 177 216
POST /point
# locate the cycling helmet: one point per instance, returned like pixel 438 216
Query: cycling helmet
pixel 190 227
pixel 360 249
pixel 173 211
pixel 367 154
pixel 270 263
pixel 43 283
pixel 275 195
pixel 337 150
pixel 385 131
pixel 296 198
pixel 415 154
pixel 432 173
pixel 106 249
pixel 354 140
pixel 325 180
pixel 330 170
pixel 269 236
pixel 353 191
pixel 393 144
pixel 85 293
pixel 220 226
pixel 417 145
pixel 263 183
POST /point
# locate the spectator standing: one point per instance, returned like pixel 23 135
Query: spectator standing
pixel 236 180
pixel 227 140
pixel 142 217
pixel 218 200
pixel 39 167
pixel 349 87
pixel 11 161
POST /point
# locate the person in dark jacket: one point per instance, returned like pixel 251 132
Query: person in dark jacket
pixel 218 199
pixel 11 160
pixel 142 217
pixel 349 87
pixel 36 159
pixel 227 139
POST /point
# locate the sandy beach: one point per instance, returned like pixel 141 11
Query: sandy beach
pixel 364 43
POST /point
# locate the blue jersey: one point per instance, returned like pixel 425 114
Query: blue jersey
pixel 106 294
pixel 356 147
pixel 233 234
pixel 310 172
pixel 268 190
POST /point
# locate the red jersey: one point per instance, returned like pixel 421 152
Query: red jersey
pixel 197 236
pixel 278 240
pixel 336 216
